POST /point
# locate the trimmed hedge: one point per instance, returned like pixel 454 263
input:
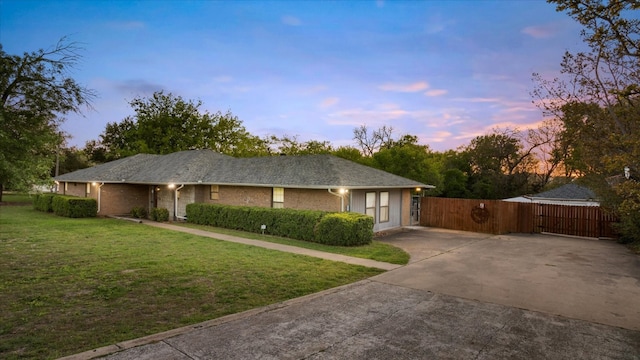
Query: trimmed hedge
pixel 159 214
pixel 140 212
pixel 345 229
pixel 43 202
pixel 350 229
pixel 74 207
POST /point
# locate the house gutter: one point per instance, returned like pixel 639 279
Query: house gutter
pixel 175 203
pixel 341 196
pixel 99 191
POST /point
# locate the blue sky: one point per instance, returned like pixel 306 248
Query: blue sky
pixel 445 71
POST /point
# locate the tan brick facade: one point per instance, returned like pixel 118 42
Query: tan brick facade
pixel 119 199
pixel 308 199
pixel 115 199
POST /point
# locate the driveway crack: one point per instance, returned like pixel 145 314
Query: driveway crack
pixel 490 340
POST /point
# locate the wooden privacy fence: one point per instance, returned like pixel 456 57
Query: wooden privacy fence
pixel 502 217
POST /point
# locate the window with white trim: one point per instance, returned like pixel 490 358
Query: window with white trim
pixel 384 206
pixel 370 205
pixel 278 198
pixel 88 191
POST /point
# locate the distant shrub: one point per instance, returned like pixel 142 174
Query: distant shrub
pixel 139 212
pixel 159 214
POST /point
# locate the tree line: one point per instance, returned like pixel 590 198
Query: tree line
pixel 494 166
pixel 592 131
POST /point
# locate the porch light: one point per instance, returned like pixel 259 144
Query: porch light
pixel 171 186
pixel 94 183
pixel 418 189
pixel 343 191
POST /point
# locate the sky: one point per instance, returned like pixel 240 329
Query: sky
pixel 444 71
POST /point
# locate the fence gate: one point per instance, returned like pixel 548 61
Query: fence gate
pixel 587 221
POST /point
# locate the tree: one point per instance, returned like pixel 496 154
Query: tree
pixel 499 165
pixel 289 145
pixel 70 159
pixel 165 123
pixel 406 158
pixel 35 93
pixel 597 100
pixel 369 143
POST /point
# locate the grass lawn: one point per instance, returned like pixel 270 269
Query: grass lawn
pixel 70 285
pixel 375 251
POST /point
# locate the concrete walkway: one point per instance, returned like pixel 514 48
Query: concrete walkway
pixel 462 296
pixel 278 247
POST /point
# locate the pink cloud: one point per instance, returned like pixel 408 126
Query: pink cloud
pixel 415 87
pixel 328 102
pixel 436 92
pixel 541 31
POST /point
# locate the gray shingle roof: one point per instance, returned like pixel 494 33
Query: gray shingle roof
pixel 567 192
pixel 208 167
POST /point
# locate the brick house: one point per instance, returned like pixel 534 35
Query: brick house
pixel 315 182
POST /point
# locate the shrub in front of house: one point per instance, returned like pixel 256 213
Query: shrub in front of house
pixel 159 214
pixel 43 202
pixel 345 229
pixel 295 224
pixel 139 212
pixel 349 229
pixel 74 207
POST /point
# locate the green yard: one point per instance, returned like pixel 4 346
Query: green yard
pixel 70 285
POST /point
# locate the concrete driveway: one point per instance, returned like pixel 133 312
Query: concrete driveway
pixel 592 280
pixel 462 296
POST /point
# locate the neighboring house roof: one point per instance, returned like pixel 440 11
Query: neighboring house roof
pixel 569 194
pixel 208 167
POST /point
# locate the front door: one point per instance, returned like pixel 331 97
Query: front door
pixel 415 210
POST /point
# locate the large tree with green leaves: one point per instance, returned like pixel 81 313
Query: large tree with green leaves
pixel 165 123
pixel 500 166
pixel 405 157
pixel 36 92
pixel 597 101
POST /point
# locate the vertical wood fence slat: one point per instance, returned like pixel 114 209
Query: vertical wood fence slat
pixel 502 217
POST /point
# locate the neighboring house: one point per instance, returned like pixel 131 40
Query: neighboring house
pixel 569 194
pixel 315 182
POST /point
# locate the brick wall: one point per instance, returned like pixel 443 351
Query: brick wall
pixel 73 189
pixel 261 196
pixel 312 199
pixel 119 199
pixel 405 219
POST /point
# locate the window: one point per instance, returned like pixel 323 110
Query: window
pixel 278 198
pixel 370 205
pixel 214 193
pixel 384 206
pixel 88 188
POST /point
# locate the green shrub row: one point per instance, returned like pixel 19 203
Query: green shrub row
pixel 42 202
pixel 74 207
pixel 68 206
pixel 344 229
pixel 159 214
